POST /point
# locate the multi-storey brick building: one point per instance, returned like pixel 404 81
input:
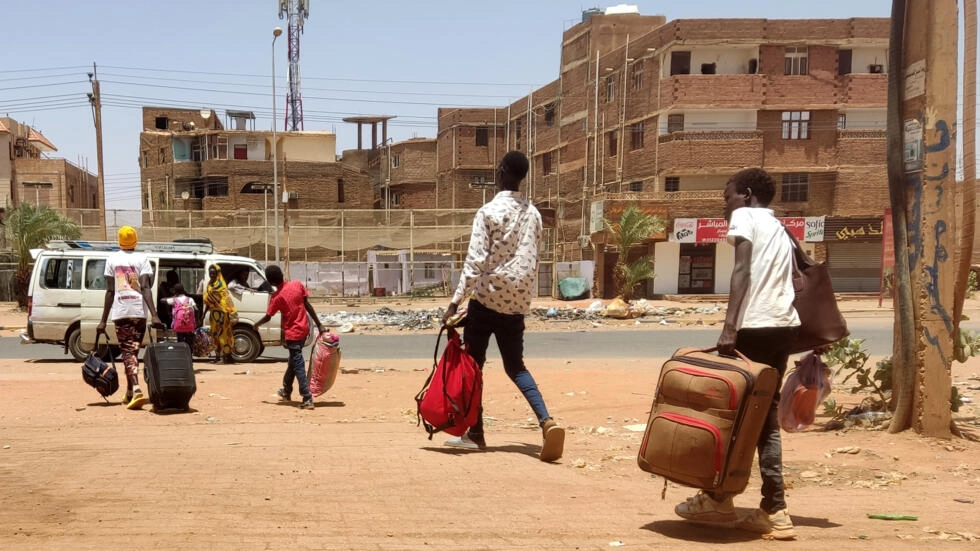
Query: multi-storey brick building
pixel 663 113
pixel 190 162
pixel 407 175
pixel 27 175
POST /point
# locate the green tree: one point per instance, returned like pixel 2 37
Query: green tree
pixel 633 228
pixel 29 227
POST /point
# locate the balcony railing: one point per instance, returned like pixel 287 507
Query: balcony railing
pixel 697 195
pixel 711 135
pixel 862 134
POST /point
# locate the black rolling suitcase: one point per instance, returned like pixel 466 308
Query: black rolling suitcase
pixel 168 368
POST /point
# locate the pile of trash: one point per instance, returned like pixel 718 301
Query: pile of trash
pixel 411 320
pixel 427 319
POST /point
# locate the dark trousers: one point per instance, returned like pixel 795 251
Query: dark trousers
pixel 770 346
pixel 186 337
pixel 296 369
pixel 481 322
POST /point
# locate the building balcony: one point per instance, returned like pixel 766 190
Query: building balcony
pixel 704 151
pixel 716 91
pixel 864 90
pixel 861 147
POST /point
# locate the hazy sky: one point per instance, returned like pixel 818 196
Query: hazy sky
pixel 367 57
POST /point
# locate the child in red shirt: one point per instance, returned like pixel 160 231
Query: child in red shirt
pixel 292 300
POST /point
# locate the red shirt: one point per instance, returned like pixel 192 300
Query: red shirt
pixel 289 300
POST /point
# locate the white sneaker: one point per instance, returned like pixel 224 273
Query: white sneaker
pixel 777 526
pixel 462 442
pixel 701 508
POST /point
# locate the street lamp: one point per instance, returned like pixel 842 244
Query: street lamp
pixel 388 175
pixel 275 155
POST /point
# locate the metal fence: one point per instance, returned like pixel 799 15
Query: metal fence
pixel 336 252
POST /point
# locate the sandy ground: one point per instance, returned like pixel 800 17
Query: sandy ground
pixel 241 471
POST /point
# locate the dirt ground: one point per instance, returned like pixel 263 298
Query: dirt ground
pixel 242 471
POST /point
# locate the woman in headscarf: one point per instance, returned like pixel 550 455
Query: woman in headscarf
pixel 222 313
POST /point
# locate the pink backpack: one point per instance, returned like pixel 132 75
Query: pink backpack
pixel 183 313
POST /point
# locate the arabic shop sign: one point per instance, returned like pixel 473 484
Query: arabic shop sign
pixel 713 230
pixel 853 229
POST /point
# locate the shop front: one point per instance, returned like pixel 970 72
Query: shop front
pixel 696 259
pixel 854 253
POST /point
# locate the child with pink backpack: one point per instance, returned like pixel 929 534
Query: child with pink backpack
pixel 184 315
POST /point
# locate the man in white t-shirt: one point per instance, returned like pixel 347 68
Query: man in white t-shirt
pixel 762 324
pixel 128 298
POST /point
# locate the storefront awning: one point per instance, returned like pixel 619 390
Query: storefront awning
pixel 713 230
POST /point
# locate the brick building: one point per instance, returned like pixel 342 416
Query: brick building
pixel 663 113
pixel 407 170
pixel 189 161
pixel 26 174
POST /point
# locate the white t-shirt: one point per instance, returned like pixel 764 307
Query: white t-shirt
pixel 769 302
pixel 126 267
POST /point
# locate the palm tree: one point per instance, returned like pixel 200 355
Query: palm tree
pixel 30 227
pixel 634 227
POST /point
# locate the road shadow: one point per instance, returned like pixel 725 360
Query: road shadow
pixel 514 447
pixel 172 411
pixel 104 404
pixel 318 404
pixel 685 530
pixel 54 361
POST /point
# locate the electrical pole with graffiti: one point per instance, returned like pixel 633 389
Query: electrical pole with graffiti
pixel 923 188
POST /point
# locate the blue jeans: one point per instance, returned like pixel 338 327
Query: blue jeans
pixel 481 322
pixel 769 346
pixel 296 369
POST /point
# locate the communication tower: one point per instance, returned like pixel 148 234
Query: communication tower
pixel 295 12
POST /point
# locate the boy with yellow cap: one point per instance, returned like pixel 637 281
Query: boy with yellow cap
pixel 129 280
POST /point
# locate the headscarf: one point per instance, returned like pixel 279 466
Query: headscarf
pixel 216 295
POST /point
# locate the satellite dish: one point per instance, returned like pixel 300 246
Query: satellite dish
pixel 184 195
pixel 205 113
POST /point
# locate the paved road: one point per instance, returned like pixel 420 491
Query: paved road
pixel 653 343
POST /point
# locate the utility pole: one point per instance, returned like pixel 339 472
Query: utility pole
pixel 95 98
pixel 925 196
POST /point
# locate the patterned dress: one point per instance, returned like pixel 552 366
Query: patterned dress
pixel 222 313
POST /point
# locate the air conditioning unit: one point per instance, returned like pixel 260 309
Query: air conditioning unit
pixel 288 195
pixel 584 241
pixel 876 69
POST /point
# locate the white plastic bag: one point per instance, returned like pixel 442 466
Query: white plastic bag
pixel 804 389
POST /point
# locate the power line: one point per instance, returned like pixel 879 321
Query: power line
pixel 262 94
pixel 264 86
pixel 35 77
pixel 42 69
pixel 305 77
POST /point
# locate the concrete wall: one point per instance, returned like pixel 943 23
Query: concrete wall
pixel 318 147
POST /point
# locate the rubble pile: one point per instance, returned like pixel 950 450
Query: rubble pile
pixel 427 319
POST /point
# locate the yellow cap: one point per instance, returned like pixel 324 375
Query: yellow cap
pixel 127 238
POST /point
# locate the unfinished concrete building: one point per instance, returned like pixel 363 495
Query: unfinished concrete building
pixel 28 174
pixel 189 161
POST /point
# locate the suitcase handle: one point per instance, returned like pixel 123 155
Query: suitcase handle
pixel 740 355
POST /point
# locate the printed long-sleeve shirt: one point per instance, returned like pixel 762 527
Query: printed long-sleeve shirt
pixel 502 260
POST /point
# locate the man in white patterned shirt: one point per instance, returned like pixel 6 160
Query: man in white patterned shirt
pixel 498 277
